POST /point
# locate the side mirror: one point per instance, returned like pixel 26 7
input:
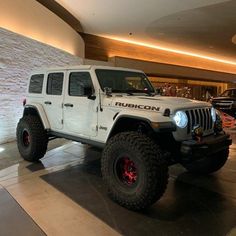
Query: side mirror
pixel 89 92
pixel 91 97
pixel 108 91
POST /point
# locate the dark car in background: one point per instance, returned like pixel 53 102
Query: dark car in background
pixel 226 102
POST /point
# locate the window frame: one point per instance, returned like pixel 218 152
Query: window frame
pixel 39 74
pixel 125 71
pixel 63 78
pixel 69 82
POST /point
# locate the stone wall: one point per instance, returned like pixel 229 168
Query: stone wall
pixel 18 56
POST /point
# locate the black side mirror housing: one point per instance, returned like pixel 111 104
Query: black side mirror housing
pixel 108 91
pixel 91 97
pixel 90 93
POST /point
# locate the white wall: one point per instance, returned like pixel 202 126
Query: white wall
pixel 31 19
pixel 18 56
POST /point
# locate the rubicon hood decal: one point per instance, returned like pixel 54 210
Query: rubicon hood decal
pixel 137 106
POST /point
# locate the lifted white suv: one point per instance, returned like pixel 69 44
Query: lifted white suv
pixel 140 132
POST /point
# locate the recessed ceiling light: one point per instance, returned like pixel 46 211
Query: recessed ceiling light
pixel 2 149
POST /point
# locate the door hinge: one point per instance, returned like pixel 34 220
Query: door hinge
pixel 62 121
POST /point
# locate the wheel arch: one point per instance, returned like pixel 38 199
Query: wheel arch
pixel 128 123
pixel 37 110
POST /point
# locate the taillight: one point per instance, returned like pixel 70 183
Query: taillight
pixel 24 101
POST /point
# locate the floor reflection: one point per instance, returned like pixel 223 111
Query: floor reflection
pixel 192 205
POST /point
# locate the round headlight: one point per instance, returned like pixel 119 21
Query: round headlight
pixel 213 114
pixel 181 119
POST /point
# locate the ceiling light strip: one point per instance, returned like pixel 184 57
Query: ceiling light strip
pixel 174 51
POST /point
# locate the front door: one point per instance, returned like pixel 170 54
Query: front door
pixel 53 99
pixel 80 112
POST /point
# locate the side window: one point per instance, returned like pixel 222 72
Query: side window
pixel 55 83
pixel 80 84
pixel 36 83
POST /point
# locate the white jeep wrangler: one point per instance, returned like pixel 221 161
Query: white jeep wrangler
pixel 140 132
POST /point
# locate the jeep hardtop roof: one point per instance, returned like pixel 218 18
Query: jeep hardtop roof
pixel 82 67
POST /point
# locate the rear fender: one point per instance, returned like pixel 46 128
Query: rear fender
pixel 37 109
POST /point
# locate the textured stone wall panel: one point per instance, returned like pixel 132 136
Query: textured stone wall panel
pixel 18 57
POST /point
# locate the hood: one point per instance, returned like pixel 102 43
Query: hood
pixel 156 103
pixel 223 99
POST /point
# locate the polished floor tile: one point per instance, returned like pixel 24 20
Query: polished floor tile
pixel 65 195
pixel 14 220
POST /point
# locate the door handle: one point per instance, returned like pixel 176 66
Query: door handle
pixel 48 103
pixel 68 105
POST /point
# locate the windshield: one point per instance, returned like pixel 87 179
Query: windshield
pixel 229 93
pixel 124 81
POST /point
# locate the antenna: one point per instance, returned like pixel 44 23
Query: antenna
pixel 100 103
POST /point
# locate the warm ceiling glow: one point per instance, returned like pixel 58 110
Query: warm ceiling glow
pixel 174 50
pixel 234 39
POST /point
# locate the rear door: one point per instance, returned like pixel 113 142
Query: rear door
pixel 80 112
pixel 53 99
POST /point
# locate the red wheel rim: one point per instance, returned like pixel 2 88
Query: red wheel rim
pixel 26 138
pixel 127 171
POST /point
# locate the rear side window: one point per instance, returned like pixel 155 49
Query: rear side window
pixel 80 84
pixel 36 83
pixel 55 83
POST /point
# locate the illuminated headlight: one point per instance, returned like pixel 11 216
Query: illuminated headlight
pixel 181 119
pixel 213 114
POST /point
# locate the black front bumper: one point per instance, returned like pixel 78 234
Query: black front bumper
pixel 192 149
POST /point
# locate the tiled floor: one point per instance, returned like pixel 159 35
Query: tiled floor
pixel 14 220
pixel 65 195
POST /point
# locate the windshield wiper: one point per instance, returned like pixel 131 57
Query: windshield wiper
pixel 129 93
pixel 148 93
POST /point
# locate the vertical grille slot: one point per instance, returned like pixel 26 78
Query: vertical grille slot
pixel 193 118
pixel 205 119
pixel 189 122
pixel 200 117
pixel 197 117
pixel 208 118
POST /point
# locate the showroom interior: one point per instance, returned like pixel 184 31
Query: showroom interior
pixel 187 49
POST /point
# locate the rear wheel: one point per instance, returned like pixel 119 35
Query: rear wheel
pixel 134 170
pixel 32 138
pixel 208 164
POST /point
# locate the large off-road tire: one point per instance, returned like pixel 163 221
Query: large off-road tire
pixel 208 164
pixel 32 138
pixel 134 170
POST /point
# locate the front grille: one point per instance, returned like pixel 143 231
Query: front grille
pixel 201 116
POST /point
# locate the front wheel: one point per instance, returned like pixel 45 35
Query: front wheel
pixel 134 170
pixel 32 138
pixel 208 164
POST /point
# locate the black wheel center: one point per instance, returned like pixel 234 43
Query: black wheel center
pixel 26 138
